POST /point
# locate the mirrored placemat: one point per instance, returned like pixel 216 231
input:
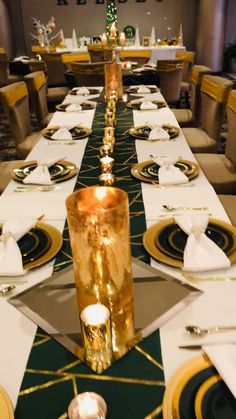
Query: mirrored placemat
pixel 52 304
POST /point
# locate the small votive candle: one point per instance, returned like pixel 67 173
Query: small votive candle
pixel 87 405
pixel 122 39
pixel 109 140
pixel 104 40
pixel 96 335
pixel 106 164
pixel 125 97
pixel 109 131
pixel 106 179
pixel 106 150
pixel 128 65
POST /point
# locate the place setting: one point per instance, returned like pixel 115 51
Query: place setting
pixel 165 171
pixel 65 135
pixel 43 175
pixel 85 91
pixel 26 243
pixel 154 132
pixel 76 107
pixel 142 104
pixel 141 89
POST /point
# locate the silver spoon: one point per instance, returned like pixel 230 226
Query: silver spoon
pixel 198 331
pixel 7 289
pixel 170 208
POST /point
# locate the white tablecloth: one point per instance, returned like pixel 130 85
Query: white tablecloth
pixel 215 306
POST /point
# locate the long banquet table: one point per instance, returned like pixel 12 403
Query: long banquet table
pixel 134 384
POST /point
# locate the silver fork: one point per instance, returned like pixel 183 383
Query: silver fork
pixel 35 188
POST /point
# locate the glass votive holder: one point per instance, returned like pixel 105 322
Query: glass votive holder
pixel 110 113
pixel 111 105
pixel 106 150
pixel 96 336
pixel 88 405
pixel 113 95
pixel 109 140
pixel 125 97
pixel 110 121
pixel 106 164
pixel 106 179
pixel 109 131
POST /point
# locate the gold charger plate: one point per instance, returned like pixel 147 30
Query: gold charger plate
pixel 136 105
pixel 164 251
pixel 142 132
pixel 86 106
pixel 189 168
pixel 177 383
pixel 39 245
pixel 78 132
pixel 60 171
pixel 6 408
pixel 203 389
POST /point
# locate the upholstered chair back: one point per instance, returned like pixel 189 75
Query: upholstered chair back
pixel 55 69
pixel 37 88
pixel 189 59
pixel 214 94
pixel 140 56
pixel 98 53
pixel 170 74
pixel 15 101
pixel 90 74
pixel 67 59
pixel 198 71
pixel 230 150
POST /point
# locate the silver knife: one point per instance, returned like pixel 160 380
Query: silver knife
pixel 198 347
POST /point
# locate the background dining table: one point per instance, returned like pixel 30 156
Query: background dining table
pixel 133 386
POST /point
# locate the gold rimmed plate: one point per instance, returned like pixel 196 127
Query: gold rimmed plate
pixel 39 245
pixel 148 171
pixel 6 408
pixel 85 106
pixel 60 171
pixel 136 105
pixel 165 241
pixel 78 132
pixel 214 400
pixel 92 91
pixel 142 132
pixel 178 401
pixel 135 90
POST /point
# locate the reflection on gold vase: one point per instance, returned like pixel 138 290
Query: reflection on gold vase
pixel 99 234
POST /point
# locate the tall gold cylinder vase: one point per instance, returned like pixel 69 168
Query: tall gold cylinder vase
pixel 98 219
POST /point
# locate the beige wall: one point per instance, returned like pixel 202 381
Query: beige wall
pixel 89 19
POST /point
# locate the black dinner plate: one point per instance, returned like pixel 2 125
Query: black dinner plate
pixel 78 132
pixel 142 132
pixel 215 401
pixel 91 92
pixel 86 106
pixel 135 90
pixel 171 240
pixel 136 105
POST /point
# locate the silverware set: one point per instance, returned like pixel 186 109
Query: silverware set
pixel 32 188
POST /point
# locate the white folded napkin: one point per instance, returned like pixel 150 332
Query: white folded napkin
pixel 82 91
pixel 200 253
pixel 168 174
pixel 143 89
pixel 158 133
pixel 62 134
pixel 223 356
pixel 148 104
pixel 10 255
pixel 40 175
pixel 74 107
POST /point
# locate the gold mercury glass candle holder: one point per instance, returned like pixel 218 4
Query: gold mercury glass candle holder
pixel 96 336
pixel 109 131
pixel 106 164
pixel 106 179
pixel 98 220
pixel 110 120
pixel 109 140
pixel 88 405
pixel 106 150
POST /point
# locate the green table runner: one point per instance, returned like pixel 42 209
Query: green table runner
pixel 133 386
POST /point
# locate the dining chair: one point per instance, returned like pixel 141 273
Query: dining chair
pixel 214 94
pixel 190 117
pixel 220 169
pixel 229 204
pixel 98 53
pixel 189 58
pixel 5 76
pixel 37 87
pixel 90 74
pixel 15 100
pixel 6 168
pixel 140 56
pixel 67 59
pixel 170 73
